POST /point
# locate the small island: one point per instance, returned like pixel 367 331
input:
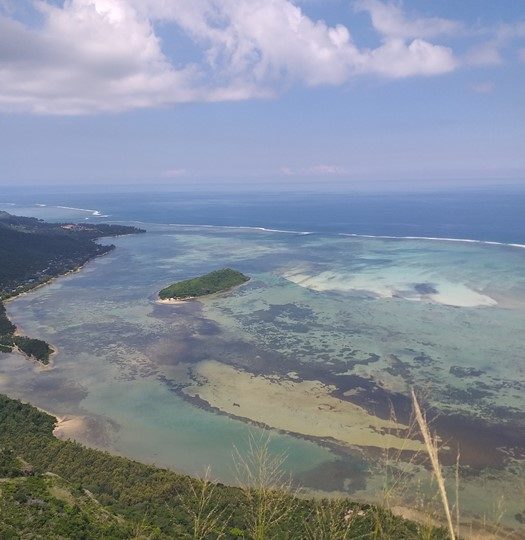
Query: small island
pixel 214 282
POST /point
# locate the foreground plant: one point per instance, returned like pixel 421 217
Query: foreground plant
pixel 270 498
pixel 208 519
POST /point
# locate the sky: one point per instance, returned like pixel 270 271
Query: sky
pixel 262 92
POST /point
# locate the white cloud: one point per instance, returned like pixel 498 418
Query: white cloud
pixel 389 19
pixel 174 173
pixel 315 170
pixel 484 54
pixel 490 51
pixel 483 88
pixel 91 56
pixel 396 59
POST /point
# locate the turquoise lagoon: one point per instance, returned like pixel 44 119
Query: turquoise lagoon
pixel 373 317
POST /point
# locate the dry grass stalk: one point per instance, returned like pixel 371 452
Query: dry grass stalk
pixel 456 504
pixel 432 450
pixel 206 516
pixel 268 489
pixel 142 530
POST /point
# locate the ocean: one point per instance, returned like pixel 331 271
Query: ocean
pixel 495 214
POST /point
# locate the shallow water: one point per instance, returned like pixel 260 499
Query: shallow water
pixel 371 317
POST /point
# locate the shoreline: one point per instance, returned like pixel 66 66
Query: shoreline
pixel 67 426
pixel 178 300
pixel 18 332
pixel 51 279
pixel 174 301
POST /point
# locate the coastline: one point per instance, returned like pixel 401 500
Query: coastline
pixel 67 426
pixel 52 279
pixel 18 332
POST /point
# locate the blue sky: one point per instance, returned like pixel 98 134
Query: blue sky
pixel 271 92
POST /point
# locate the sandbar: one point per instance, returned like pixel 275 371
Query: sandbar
pixel 306 407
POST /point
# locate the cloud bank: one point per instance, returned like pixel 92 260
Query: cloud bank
pixel 97 56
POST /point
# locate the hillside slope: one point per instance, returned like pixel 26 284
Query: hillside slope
pixel 131 496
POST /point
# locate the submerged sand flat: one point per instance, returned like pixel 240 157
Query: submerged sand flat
pixel 303 407
pixel 391 283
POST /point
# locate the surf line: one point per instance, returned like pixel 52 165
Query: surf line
pixel 352 235
pixel 95 213
pixel 434 239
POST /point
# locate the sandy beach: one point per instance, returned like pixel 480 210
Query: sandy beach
pixel 173 301
pixel 69 427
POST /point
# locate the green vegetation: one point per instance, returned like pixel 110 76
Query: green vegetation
pixel 49 507
pixel 31 347
pixel 32 252
pixel 217 281
pixel 6 326
pixel 97 495
pixel 36 348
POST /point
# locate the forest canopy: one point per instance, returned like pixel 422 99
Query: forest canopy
pixel 217 281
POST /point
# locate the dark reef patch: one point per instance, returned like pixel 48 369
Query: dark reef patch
pixel 480 443
pixel 425 288
pixel 399 368
pixel 461 372
pixel 423 360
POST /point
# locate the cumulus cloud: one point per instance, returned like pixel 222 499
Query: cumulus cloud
pixel 390 20
pixel 96 56
pixel 490 51
pixel 484 54
pixel 397 59
pixel 90 56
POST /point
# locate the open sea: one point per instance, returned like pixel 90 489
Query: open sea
pixel 354 299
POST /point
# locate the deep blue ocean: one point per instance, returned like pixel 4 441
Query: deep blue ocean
pixel 495 214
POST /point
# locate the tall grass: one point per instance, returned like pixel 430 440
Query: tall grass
pixel 208 519
pixel 404 491
pixel 270 498
pixel 335 519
